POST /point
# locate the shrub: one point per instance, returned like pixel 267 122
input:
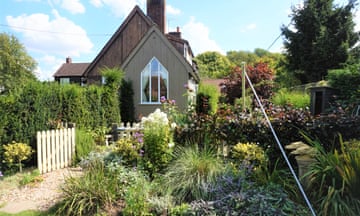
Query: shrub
pixel 347 81
pixel 137 198
pixel 84 144
pixel 102 187
pixel 213 95
pixel 156 142
pixel 189 175
pixel 234 194
pixel 261 76
pixel 295 99
pixel 129 150
pixel 16 153
pixel 249 154
pixel 127 108
pixel 334 180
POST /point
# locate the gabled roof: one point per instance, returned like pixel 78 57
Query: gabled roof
pixel 155 30
pixel 71 69
pixel 118 32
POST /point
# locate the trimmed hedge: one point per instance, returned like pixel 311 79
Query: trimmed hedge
pixel 41 106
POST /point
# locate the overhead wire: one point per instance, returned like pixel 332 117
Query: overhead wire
pixel 53 32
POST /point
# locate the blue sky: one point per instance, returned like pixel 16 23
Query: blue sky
pixel 52 30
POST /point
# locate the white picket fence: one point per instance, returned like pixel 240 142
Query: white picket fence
pixel 55 149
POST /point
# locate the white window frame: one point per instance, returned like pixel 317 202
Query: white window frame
pixel 64 80
pixel 147 71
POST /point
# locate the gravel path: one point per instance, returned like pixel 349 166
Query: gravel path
pixel 40 196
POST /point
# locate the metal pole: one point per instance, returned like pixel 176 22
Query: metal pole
pixel 243 86
pixel 281 148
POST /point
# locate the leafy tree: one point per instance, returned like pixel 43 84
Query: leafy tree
pixel 238 57
pixel 16 66
pixel 111 98
pixel 127 107
pixel 320 38
pixel 213 64
pixel 260 75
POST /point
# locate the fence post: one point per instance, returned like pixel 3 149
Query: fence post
pixel 114 132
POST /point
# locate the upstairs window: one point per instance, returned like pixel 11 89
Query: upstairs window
pixel 154 82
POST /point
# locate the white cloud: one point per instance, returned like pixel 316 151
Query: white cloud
pixel 119 8
pixel 198 36
pixel 96 3
pixel 47 67
pixel 73 6
pixel 173 11
pixel 57 36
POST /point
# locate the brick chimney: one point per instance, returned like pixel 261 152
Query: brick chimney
pixel 176 34
pixel 68 60
pixel 156 11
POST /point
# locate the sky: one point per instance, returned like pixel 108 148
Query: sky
pixel 52 30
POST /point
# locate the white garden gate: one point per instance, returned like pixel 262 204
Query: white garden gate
pixel 55 149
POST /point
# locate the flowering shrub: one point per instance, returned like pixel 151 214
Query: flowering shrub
pixel 130 149
pixel 156 142
pixel 17 153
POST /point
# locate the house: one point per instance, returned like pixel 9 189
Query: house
pixel 159 64
pixel 71 72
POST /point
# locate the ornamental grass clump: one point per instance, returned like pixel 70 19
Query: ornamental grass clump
pixel 157 139
pixel 188 177
pixel 16 153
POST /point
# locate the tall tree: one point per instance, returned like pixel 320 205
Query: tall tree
pixel 320 39
pixel 16 66
pixel 213 65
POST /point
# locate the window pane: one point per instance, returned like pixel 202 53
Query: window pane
pixel 145 82
pixel 154 82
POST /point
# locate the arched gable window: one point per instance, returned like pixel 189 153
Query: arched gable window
pixel 154 82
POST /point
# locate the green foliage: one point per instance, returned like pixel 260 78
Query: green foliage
pixel 249 154
pixel 212 93
pixel 295 99
pixel 84 143
pixel 320 38
pixel 31 178
pixel 16 65
pixel 137 198
pixel 129 150
pixel 111 99
pixel 127 108
pixel 40 106
pixel 234 194
pixel 156 142
pixel 348 82
pixel 90 193
pixel 334 180
pixel 238 57
pixel 16 153
pixel 102 186
pixel 188 176
pixel 212 64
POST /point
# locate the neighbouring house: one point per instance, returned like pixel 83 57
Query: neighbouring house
pixel 158 63
pixel 71 72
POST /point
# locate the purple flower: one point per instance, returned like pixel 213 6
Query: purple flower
pixel 140 140
pixel 1 175
pixel 162 99
pixel 173 101
pixel 141 152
